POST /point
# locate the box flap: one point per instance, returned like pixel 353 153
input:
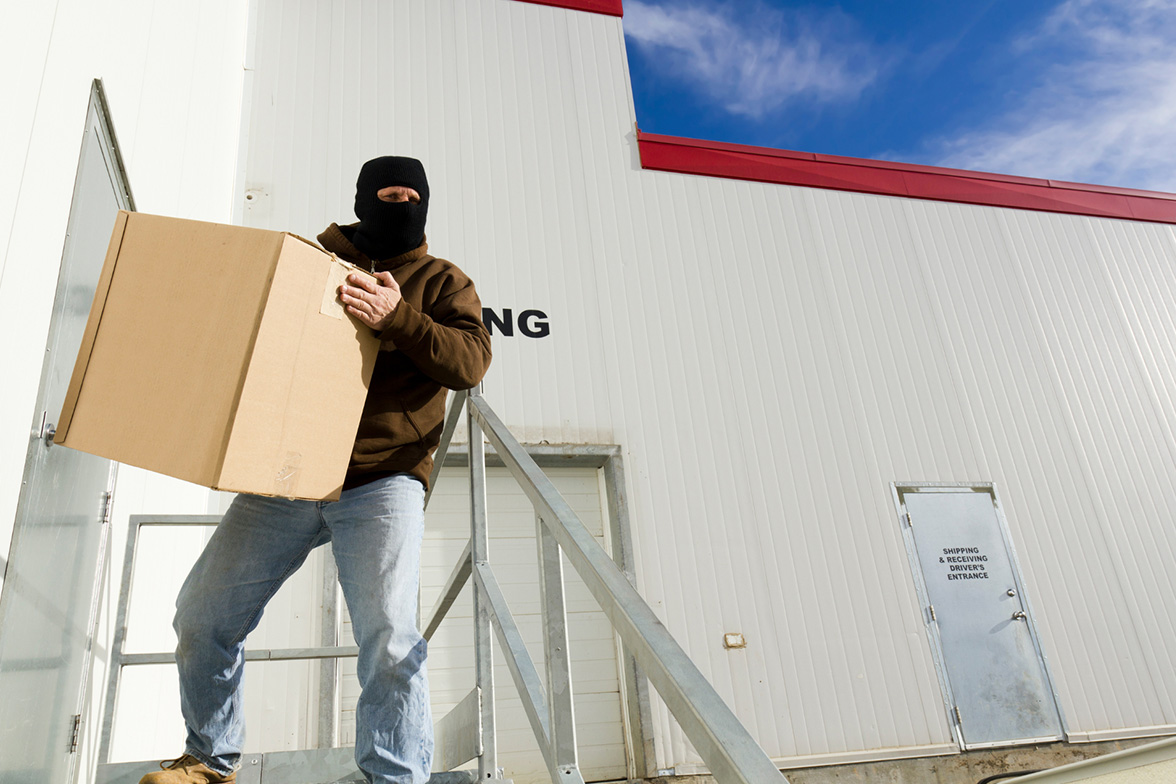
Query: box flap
pixel 306 386
pixel 83 360
pixel 242 378
pixel 171 344
pixel 311 243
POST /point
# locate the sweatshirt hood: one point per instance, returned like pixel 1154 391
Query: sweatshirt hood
pixel 340 241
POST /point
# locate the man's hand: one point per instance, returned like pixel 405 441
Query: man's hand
pixel 373 303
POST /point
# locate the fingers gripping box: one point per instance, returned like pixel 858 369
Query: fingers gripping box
pixel 220 355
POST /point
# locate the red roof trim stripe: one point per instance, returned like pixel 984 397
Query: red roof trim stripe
pixel 610 7
pixel 861 175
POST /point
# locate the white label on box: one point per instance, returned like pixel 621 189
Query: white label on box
pixel 335 278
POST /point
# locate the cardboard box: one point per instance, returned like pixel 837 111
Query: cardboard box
pixel 220 355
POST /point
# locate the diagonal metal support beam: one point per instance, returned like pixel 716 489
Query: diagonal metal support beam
pixel 452 417
pixel 518 659
pixel 457 580
pixel 725 745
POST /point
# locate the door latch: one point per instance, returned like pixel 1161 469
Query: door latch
pixel 48 429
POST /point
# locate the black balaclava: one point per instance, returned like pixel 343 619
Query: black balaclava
pixel 388 229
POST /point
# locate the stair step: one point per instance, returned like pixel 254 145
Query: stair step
pixel 312 766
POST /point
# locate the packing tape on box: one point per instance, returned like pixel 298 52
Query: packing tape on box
pixel 336 277
pixel 286 481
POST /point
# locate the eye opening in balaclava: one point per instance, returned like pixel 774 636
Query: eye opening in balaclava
pixel 388 229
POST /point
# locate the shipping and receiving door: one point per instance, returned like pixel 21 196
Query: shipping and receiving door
pixel 49 596
pixel 996 682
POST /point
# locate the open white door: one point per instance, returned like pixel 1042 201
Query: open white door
pixel 58 542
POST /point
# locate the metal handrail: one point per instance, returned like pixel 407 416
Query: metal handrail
pixel 724 744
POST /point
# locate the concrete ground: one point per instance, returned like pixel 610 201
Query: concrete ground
pixel 968 767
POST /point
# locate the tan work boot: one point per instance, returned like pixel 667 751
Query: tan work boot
pixel 187 770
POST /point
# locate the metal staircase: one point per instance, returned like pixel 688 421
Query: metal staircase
pixel 467 733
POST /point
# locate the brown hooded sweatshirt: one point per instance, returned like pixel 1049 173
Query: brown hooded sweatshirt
pixel 436 341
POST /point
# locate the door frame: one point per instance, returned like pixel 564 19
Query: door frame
pixel 640 742
pixel 99 119
pixel 898 490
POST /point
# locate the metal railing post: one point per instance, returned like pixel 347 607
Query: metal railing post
pixel 329 638
pixel 553 610
pixel 642 762
pixel 483 634
pixel 114 679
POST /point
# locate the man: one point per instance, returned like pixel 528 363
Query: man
pixel 428 316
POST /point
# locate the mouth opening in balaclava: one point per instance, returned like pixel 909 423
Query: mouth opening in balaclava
pixel 388 229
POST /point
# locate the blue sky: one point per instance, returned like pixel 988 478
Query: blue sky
pixel 1080 90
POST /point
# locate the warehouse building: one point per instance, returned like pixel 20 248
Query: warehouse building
pixel 844 412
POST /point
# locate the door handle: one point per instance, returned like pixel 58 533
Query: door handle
pixel 1019 615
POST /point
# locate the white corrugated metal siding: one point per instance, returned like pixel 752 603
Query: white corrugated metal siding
pixel 771 359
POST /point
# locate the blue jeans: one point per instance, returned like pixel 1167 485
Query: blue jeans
pixel 375 531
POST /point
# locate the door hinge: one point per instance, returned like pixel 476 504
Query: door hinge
pixel 958 717
pixel 931 609
pixel 910 523
pixel 106 497
pixel 74 733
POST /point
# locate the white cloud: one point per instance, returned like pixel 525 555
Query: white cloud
pixel 1103 113
pixel 752 60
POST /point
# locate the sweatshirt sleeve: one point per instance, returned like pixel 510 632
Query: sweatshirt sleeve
pixel 453 346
